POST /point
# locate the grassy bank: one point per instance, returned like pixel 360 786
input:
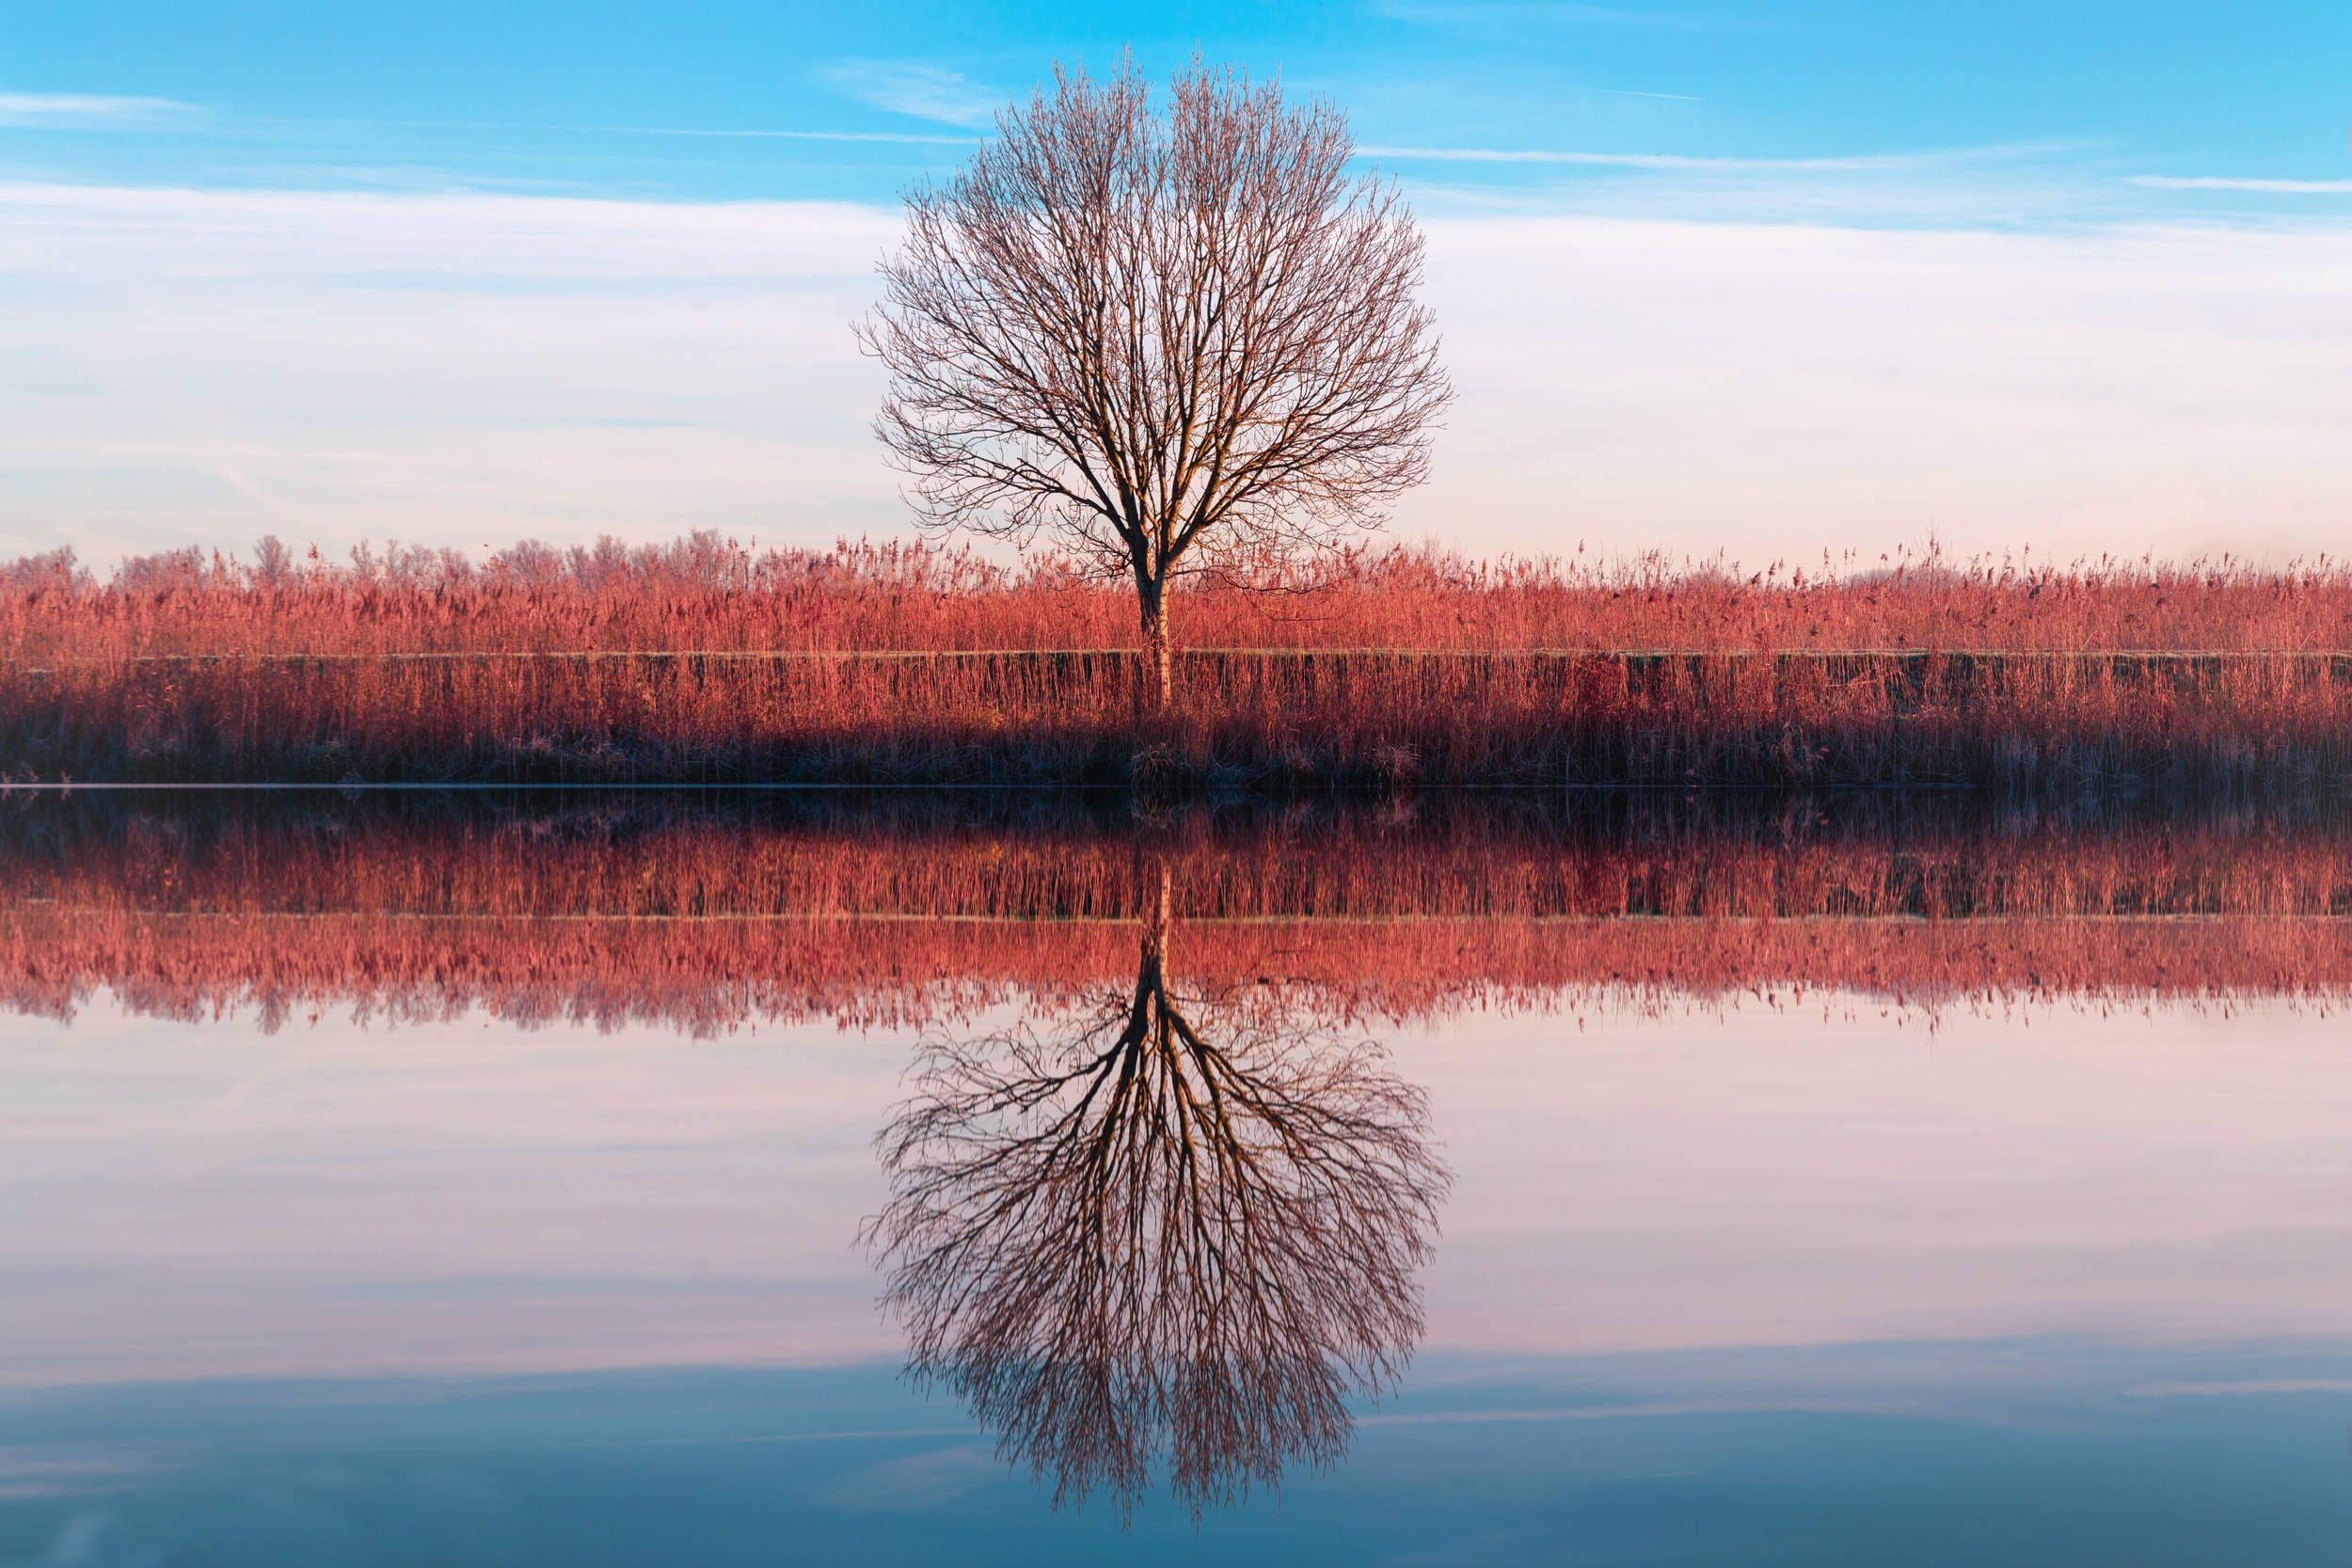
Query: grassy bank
pixel 705 663
pixel 1278 723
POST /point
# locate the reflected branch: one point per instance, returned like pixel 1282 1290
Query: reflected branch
pixel 1179 1223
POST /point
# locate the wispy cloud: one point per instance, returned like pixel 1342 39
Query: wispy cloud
pixel 456 369
pixel 2226 182
pixel 794 135
pixel 66 111
pixel 1520 16
pixel 912 87
pixel 1618 160
pixel 1999 386
pixel 2247 1386
pixel 553 364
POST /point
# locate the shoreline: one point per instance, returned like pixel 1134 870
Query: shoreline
pixel 1273 723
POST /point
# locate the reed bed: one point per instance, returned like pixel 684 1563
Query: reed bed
pixel 1384 721
pixel 704 918
pixel 704 662
pixel 705 593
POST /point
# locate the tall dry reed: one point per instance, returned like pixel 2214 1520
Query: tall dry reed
pixel 706 662
pixel 707 594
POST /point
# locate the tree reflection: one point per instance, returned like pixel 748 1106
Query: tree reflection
pixel 1189 1222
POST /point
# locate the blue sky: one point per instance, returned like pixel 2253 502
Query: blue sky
pixel 2066 103
pixel 1761 278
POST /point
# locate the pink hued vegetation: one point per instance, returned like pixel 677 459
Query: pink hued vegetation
pixel 661 913
pixel 704 661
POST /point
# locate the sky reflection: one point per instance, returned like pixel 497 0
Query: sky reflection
pixel 1772 1271
pixel 466 1197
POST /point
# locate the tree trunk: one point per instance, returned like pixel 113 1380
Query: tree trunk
pixel 1162 665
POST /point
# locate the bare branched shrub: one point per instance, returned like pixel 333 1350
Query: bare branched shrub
pixel 1162 1223
pixel 53 573
pixel 1167 341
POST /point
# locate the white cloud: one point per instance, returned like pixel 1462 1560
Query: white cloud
pixel 2004 186
pixel 180 367
pixel 72 110
pixel 1775 390
pixel 809 136
pixel 1630 160
pixel 2219 182
pixel 912 87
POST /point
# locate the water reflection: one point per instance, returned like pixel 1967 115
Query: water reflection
pixel 706 913
pixel 1173 1221
pixel 1725 1281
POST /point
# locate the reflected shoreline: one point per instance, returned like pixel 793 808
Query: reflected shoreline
pixel 701 913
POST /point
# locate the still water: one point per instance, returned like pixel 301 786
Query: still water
pixel 533 1184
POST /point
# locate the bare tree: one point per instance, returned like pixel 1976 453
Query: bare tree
pixel 1190 1226
pixel 1172 342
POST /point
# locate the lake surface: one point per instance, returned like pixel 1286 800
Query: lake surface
pixel 579 1181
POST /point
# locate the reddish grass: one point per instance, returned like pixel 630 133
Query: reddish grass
pixel 704 920
pixel 704 594
pixel 704 662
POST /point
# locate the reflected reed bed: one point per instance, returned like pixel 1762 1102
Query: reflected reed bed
pixel 706 663
pixel 704 913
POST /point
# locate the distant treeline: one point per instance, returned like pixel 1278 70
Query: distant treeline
pixel 707 662
pixel 704 916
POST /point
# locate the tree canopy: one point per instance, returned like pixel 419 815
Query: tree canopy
pixel 1174 341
